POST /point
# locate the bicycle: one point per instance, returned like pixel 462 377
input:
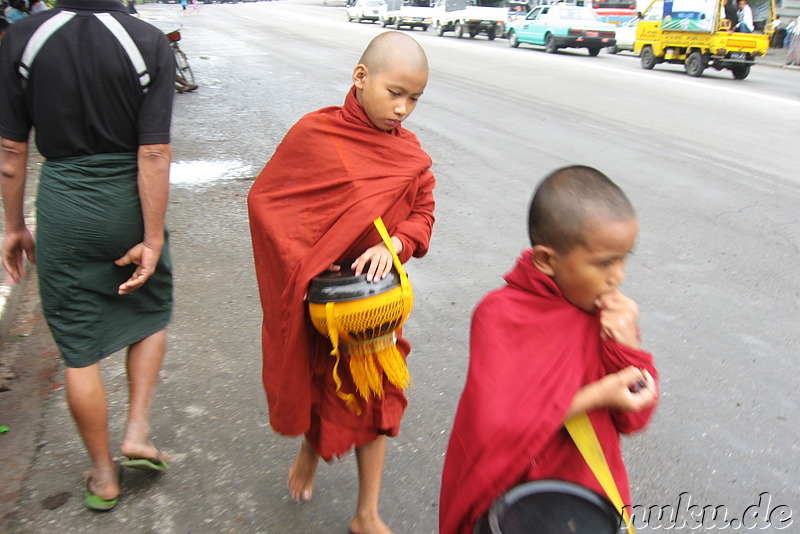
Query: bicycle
pixel 182 67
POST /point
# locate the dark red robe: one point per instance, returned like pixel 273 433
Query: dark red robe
pixel 312 206
pixel 530 353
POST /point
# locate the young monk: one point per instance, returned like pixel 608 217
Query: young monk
pixel 312 209
pixel 558 339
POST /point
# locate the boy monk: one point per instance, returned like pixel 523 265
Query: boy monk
pixel 559 339
pixel 312 209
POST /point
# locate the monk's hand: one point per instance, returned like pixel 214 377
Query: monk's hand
pixel 375 261
pixel 145 257
pixel 619 316
pixel 631 389
pixel 18 245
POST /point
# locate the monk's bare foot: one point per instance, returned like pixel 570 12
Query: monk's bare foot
pixel 104 482
pixel 368 524
pixel 302 473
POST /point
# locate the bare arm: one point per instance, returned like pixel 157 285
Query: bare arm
pixel 614 391
pixel 18 242
pixel 153 181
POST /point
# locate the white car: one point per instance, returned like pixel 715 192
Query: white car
pixel 365 10
pixel 625 36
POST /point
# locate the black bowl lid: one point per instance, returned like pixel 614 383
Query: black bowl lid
pixel 344 286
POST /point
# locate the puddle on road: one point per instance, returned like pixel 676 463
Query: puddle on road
pixel 196 173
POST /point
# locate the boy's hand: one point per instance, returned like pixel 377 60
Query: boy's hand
pixel 379 259
pixel 630 389
pixel 619 318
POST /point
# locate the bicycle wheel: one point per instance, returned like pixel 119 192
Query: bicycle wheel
pixel 182 66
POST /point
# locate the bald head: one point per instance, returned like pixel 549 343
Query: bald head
pixel 568 201
pixel 391 50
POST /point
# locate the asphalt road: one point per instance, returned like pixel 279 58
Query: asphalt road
pixel 710 164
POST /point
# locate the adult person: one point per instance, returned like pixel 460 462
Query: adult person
pixel 793 38
pixel 101 246
pixel 16 11
pixel 745 18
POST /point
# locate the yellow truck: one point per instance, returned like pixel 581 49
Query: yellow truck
pixel 696 33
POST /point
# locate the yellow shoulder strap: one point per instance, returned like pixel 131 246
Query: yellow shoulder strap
pixel 405 285
pixel 583 434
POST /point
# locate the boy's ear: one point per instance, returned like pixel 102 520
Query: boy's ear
pixel 360 74
pixel 544 259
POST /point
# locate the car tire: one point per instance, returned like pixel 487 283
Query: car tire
pixel 490 34
pixel 459 30
pixel 383 22
pixel 550 44
pixel 397 24
pixel 740 72
pixel 512 39
pixel 439 28
pixel 648 58
pixel 424 27
pixel 594 51
pixel 695 64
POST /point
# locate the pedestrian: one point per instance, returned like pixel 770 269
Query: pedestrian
pixel 183 7
pixel 101 247
pixel 557 340
pixel 16 11
pixel 313 210
pixel 131 5
pixel 793 35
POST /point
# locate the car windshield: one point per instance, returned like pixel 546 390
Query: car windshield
pixel 577 14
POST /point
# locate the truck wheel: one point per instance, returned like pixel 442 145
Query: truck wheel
pixel 439 28
pixel 397 24
pixel 740 72
pixel 473 31
pixel 383 22
pixel 695 65
pixel 550 44
pixel 512 39
pixel 424 27
pixel 594 52
pixel 490 33
pixel 459 30
pixel 648 58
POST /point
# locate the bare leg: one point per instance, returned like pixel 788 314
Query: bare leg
pixel 302 472
pixel 144 365
pixel 370 459
pixel 86 397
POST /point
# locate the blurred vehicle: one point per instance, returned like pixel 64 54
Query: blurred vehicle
pixel 562 26
pixel 614 11
pixel 365 10
pixel 515 13
pixel 698 37
pixel 625 36
pixel 409 13
pixel 470 16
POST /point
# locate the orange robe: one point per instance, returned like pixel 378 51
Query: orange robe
pixel 312 206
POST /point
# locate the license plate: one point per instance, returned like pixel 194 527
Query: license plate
pixel 738 55
pixel 592 34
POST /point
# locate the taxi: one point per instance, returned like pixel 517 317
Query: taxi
pixel 562 26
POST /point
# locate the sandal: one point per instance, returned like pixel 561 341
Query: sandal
pixel 95 502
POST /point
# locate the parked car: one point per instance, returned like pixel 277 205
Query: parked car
pixel 364 10
pixel 562 26
pixel 625 36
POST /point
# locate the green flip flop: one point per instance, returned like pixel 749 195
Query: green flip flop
pixel 145 464
pixel 94 502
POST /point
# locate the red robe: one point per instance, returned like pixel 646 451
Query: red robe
pixel 530 352
pixel 312 206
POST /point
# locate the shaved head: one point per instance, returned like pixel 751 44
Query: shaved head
pixel 390 50
pixel 571 199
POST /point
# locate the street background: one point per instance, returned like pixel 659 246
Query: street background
pixel 710 164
